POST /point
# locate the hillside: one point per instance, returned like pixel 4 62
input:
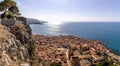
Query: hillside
pixel 16 45
pixel 34 21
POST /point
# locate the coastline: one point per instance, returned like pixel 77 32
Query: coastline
pixel 101 42
pixel 93 45
pixel 64 50
pixel 114 52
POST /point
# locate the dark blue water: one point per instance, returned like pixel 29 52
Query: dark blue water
pixel 109 33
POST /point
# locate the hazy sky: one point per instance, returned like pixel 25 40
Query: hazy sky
pixel 71 10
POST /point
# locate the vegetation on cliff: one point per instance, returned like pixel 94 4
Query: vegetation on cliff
pixel 16 43
pixel 9 9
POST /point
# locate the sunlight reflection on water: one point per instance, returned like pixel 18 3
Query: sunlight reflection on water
pixel 54 28
pixel 106 32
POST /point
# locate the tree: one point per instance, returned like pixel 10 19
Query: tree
pixel 9 8
pixel 14 10
pixel 1 6
pixel 55 64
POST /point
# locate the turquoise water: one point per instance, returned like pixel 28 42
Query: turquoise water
pixel 109 33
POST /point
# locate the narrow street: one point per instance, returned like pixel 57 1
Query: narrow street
pixel 67 56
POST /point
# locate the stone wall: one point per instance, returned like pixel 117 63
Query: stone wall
pixel 8 22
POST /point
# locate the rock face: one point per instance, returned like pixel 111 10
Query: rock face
pixel 22 31
pixel 16 45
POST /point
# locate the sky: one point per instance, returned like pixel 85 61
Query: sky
pixel 71 10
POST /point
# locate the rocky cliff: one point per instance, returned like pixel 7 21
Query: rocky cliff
pixel 16 45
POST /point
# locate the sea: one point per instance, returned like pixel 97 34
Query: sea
pixel 106 32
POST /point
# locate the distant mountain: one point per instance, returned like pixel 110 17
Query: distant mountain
pixel 34 21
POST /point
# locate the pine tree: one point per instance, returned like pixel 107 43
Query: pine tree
pixel 9 8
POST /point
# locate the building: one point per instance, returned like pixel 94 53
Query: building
pixel 85 62
pixel 97 59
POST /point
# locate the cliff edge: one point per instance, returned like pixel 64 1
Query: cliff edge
pixel 16 45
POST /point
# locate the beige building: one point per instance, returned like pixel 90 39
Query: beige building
pixel 85 62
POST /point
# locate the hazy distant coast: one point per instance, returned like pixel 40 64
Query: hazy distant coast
pixel 35 21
